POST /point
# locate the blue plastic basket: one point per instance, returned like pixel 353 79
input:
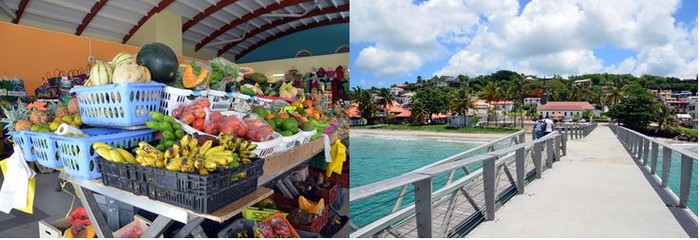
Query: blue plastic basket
pixel 78 157
pixel 21 139
pixel 120 105
pixel 44 148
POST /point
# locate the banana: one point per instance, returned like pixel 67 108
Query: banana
pixel 104 153
pixel 193 144
pixel 185 140
pixel 116 157
pixel 160 163
pixel 209 165
pixel 174 164
pixel 215 150
pixel 149 161
pixel 97 145
pixel 126 155
pixel 140 152
pixel 203 171
pixel 206 146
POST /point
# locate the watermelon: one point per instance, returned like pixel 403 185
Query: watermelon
pixel 160 61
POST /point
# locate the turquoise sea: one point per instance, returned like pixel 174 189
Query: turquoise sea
pixel 375 158
pixel 674 181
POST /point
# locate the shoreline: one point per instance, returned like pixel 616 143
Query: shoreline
pixel 481 137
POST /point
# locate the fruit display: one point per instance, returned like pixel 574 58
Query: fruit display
pixel 223 72
pixel 186 155
pixel 195 78
pixel 17 118
pixel 276 226
pixel 160 60
pixel 170 130
pixel 122 69
pixel 309 207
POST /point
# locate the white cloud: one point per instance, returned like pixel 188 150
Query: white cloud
pixel 387 62
pixel 548 37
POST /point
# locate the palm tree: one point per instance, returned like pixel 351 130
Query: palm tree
pixel 663 115
pixel 616 90
pixel 419 112
pixel 386 101
pixel 461 102
pixel 365 102
pixel 491 93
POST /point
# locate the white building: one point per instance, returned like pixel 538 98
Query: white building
pixel 532 101
pixel 564 110
pixel 396 91
pixel 503 105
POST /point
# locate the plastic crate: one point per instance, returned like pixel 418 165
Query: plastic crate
pixel 122 105
pixel 120 216
pixel 258 214
pixel 220 100
pixel 241 102
pixel 172 97
pixel 306 136
pixel 78 157
pixel 260 101
pixel 22 140
pixel 236 225
pixel 316 225
pixel 267 148
pixel 202 194
pixel 288 142
pixel 43 145
pixel 329 195
pixel 332 227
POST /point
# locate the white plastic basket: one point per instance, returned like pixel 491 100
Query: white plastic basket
pixel 241 102
pixel 174 97
pixel 306 136
pixel 288 142
pixel 220 100
pixel 258 101
pixel 267 148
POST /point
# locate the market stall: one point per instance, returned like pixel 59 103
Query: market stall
pixel 192 142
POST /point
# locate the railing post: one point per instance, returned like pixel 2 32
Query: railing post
pixel 533 134
pixel 520 169
pixel 550 151
pixel 489 188
pixel 645 151
pixel 537 149
pixel 522 138
pixel 665 166
pixel 654 156
pixel 640 141
pixel 557 147
pixel 686 174
pixel 563 144
pixel 423 206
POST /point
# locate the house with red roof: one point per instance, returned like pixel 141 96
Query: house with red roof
pixel 564 110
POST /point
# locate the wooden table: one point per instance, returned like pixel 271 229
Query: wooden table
pixel 279 164
pixel 167 213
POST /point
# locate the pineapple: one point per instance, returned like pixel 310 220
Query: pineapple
pixel 73 106
pixel 39 117
pixel 57 110
pixel 16 118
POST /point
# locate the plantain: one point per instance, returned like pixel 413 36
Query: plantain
pixel 116 157
pixel 205 147
pixel 97 145
pixel 104 153
pixel 126 155
pixel 174 164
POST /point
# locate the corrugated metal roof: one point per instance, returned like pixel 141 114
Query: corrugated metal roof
pixel 233 27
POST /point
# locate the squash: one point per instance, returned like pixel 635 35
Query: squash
pixel 101 74
pixel 190 80
pixel 160 60
pixel 127 72
pixel 122 57
pixel 146 74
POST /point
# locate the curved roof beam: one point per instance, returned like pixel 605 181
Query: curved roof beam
pixel 20 11
pixel 209 11
pixel 290 31
pixel 274 24
pixel 245 18
pixel 162 5
pixel 93 12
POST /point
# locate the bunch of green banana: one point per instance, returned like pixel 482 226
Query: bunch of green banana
pixel 169 128
pixel 242 149
pixel 189 157
pixel 113 154
pixel 149 156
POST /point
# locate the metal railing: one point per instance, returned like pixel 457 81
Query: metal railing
pixel 575 131
pixel 463 202
pixel 648 152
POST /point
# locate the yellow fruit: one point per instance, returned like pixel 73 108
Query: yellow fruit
pixel 54 126
pixel 126 155
pixel 116 157
pixel 78 120
pixel 104 153
pixel 306 206
pixel 67 119
pixel 97 145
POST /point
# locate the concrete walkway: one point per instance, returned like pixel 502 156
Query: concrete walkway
pixel 597 190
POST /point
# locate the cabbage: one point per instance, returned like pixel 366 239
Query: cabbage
pixel 220 69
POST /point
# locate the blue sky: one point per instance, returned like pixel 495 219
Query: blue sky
pixel 564 37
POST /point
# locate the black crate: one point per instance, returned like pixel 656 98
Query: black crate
pixel 203 194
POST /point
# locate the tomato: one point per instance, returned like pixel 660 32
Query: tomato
pixel 187 117
pixel 198 124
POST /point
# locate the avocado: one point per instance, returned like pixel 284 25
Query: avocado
pixel 260 111
pixel 286 133
pixel 279 121
pixel 290 125
pixel 307 126
pixel 272 123
pixel 295 130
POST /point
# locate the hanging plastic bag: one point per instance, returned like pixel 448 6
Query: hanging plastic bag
pixel 19 185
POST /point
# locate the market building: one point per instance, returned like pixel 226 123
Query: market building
pixel 175 119
pixel 564 110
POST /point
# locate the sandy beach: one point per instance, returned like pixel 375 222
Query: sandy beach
pixel 411 133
